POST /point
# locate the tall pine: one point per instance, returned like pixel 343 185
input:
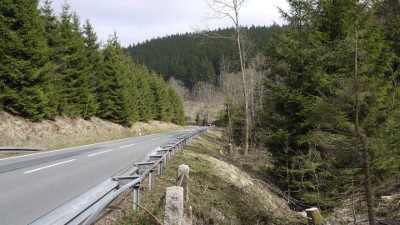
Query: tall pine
pixel 71 67
pixel 113 85
pixel 24 61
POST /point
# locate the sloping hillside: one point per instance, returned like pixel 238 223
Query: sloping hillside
pixel 65 131
pixel 220 192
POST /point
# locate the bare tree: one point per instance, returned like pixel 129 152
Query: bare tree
pixel 179 87
pixel 220 9
pixel 203 93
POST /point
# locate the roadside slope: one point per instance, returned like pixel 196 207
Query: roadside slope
pixel 219 192
pixel 66 132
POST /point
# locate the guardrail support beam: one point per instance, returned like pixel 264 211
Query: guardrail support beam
pixel 159 168
pixel 151 180
pixel 136 197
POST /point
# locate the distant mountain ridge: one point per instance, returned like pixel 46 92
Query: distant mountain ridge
pixel 195 57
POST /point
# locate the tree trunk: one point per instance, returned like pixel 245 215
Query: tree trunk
pixel 363 139
pixel 245 94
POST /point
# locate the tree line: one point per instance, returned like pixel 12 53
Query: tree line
pixel 193 57
pixel 322 95
pixel 328 109
pixel 52 65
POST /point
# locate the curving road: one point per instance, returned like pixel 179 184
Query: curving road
pixel 32 185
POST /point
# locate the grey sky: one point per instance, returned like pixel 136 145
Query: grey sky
pixel 139 20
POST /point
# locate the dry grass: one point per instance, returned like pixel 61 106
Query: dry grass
pixel 219 191
pixel 192 108
pixel 65 131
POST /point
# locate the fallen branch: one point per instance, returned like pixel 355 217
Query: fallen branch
pixel 151 214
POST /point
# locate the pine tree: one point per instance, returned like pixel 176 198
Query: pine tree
pixel 93 55
pixel 176 111
pixel 113 92
pixel 24 60
pixel 160 107
pixel 72 68
pixel 297 63
pixel 145 96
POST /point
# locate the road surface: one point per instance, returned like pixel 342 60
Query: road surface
pixel 32 185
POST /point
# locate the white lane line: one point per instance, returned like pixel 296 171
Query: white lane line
pixel 45 167
pixel 126 146
pixel 154 139
pixel 100 152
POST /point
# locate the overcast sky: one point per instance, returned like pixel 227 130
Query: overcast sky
pixel 139 20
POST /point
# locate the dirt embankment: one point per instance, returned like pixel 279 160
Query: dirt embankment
pixel 65 131
pixel 220 192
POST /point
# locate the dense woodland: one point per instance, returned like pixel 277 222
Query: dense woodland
pixel 323 94
pixel 322 90
pixel 52 65
pixel 195 57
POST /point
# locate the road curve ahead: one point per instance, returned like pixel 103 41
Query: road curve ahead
pixel 32 185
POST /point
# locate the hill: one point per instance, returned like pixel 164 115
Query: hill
pixel 194 57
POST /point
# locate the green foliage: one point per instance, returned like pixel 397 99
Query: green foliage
pixel 24 60
pixel 50 65
pixel 194 58
pixel 323 66
pixel 72 80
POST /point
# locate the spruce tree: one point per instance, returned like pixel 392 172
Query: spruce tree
pixel 93 55
pixel 114 104
pixel 24 60
pixel 145 96
pixel 72 68
pixel 176 111
pixel 160 93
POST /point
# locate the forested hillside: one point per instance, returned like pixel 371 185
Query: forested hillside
pixel 196 57
pixel 52 65
pixel 322 96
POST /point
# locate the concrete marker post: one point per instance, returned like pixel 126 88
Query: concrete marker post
pixel 173 206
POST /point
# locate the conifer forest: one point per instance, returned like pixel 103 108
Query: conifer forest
pixel 53 64
pixel 321 93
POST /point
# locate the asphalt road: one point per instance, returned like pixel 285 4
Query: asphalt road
pixel 32 185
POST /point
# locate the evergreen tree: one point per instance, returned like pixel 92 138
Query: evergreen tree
pixel 93 55
pixel 53 37
pixel 176 112
pixel 145 96
pixel 24 60
pixel 113 90
pixel 297 63
pixel 72 68
pixel 160 106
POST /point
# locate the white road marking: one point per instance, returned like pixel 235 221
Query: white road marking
pixel 154 139
pixel 100 152
pixel 126 146
pixel 45 167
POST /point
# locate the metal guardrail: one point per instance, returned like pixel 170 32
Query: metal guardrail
pixel 87 206
pixel 18 149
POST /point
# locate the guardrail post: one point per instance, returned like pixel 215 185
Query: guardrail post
pixel 173 206
pixel 136 197
pixel 159 169
pixel 151 180
pixel 166 161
